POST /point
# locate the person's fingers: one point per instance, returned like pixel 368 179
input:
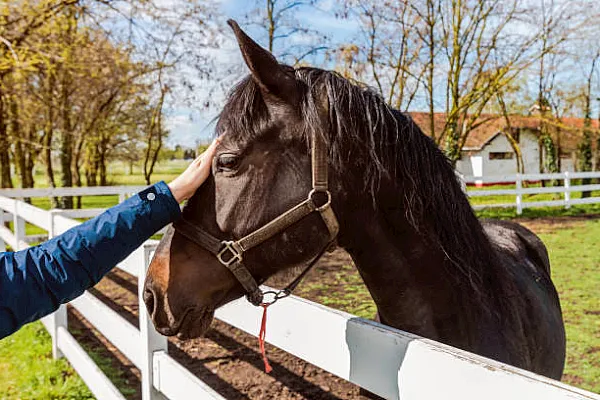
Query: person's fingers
pixel 209 153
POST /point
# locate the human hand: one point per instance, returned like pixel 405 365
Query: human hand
pixel 186 184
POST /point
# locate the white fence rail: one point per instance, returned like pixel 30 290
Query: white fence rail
pixel 566 189
pixel 386 361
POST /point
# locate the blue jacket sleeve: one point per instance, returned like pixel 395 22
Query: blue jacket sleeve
pixel 35 281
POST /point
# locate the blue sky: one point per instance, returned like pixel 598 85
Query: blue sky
pixel 191 126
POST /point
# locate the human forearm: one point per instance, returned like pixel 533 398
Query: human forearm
pixel 34 282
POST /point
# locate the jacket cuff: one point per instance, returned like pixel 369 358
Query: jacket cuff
pixel 159 196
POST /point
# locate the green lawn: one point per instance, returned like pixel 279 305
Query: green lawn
pixel 575 260
pixel 28 371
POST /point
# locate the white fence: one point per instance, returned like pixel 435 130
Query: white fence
pixel 566 189
pixel 386 361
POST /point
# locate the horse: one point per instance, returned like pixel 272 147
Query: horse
pixel 431 266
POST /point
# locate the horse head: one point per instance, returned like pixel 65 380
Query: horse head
pixel 262 169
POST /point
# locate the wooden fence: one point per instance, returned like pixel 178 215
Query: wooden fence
pixel 386 361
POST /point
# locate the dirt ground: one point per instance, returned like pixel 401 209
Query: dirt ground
pixel 227 359
pixel 549 224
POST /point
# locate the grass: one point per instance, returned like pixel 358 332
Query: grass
pixel 343 291
pixel 540 212
pixel 575 264
pixel 27 370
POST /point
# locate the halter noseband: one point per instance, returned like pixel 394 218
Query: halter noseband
pixel 230 252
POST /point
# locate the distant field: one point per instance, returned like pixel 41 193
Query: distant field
pixel 118 173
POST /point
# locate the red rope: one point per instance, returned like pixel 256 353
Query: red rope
pixel 261 338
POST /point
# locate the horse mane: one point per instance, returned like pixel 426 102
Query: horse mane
pixel 385 145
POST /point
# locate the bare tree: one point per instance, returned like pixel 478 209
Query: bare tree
pixel 387 52
pixel 288 38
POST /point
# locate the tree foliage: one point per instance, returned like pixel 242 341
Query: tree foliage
pixel 83 81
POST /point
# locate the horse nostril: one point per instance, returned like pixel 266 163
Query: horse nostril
pixel 149 299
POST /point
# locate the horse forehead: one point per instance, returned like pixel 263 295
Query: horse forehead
pixel 269 187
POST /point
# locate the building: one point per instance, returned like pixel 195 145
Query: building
pixel 487 150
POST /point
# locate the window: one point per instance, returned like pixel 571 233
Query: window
pixel 502 156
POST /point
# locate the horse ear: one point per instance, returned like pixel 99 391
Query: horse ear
pixel 266 71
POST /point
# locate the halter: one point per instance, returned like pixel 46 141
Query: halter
pixel 230 252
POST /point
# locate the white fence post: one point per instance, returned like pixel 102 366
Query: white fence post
pixel 122 197
pixel 567 190
pixel 2 243
pixel 519 199
pixel 150 339
pixel 59 317
pixel 19 227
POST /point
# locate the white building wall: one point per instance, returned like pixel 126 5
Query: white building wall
pixel 464 165
pixel 567 164
pixel 499 144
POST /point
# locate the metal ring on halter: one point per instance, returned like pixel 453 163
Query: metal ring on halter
pixel 324 206
pixel 277 295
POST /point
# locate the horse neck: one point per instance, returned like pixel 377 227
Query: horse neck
pixel 415 276
pixel 385 262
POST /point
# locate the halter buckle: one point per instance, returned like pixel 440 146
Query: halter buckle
pixel 232 249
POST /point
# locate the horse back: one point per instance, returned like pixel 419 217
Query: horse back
pixel 529 244
pixel 540 327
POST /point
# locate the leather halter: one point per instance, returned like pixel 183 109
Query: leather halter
pixel 230 252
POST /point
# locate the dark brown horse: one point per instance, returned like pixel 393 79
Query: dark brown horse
pixel 430 265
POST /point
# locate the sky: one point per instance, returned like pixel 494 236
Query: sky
pixel 188 126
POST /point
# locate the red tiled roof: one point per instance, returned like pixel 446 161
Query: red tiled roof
pixel 570 128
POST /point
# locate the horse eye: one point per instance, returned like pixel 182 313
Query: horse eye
pixel 227 162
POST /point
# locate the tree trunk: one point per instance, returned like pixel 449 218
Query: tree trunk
pixel 16 135
pixel 509 135
pixel 452 142
pixel 48 133
pixel 30 155
pixel 102 150
pixel 154 129
pixel 66 149
pixel 5 175
pixel 76 167
pixel 91 164
pixel 550 164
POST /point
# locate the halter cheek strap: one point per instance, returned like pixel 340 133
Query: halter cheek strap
pixel 230 252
